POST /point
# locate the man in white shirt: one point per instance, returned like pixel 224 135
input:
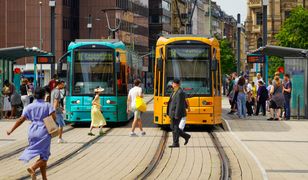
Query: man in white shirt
pixel 135 92
pixel 259 78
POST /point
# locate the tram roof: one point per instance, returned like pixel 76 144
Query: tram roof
pixel 169 38
pixel 13 53
pixel 113 43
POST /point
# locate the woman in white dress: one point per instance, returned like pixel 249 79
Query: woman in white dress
pixel 7 108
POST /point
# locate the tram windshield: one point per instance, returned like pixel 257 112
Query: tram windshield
pixel 192 66
pixel 93 69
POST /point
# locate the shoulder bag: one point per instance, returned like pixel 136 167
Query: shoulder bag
pixel 51 126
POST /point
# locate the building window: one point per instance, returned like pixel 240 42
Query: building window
pixel 166 20
pixel 259 42
pixel 259 18
pixel 67 3
pixel 166 5
pixel 66 23
pixel 155 19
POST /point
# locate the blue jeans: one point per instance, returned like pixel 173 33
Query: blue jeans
pixel 241 105
pixel 287 108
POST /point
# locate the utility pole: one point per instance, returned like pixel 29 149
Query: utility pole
pixel 41 43
pixel 264 22
pixel 52 4
pixel 210 17
pixel 238 44
pixel 89 25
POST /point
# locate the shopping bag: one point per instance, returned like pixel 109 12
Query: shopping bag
pixel 140 104
pixel 51 126
pixel 182 123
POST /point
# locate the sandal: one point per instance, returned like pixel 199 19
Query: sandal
pixel 91 134
pixel 31 173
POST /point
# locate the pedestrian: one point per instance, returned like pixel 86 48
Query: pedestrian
pixel 38 136
pixel 97 118
pixel 241 98
pixel 234 100
pixel 259 78
pixel 24 91
pixel 133 93
pixel 231 94
pixel 31 86
pixel 7 108
pixel 14 98
pixel 53 83
pixel 287 89
pixel 55 102
pixel 277 99
pixel 262 96
pixel 254 95
pixel 176 110
pixel 249 101
pixel 270 84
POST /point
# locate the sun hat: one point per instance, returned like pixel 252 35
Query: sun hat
pixel 99 89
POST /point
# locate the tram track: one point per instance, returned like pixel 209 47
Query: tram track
pixel 79 150
pixel 20 149
pixel 224 161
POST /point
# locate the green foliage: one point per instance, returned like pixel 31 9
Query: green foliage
pixel 228 62
pixel 273 64
pixel 294 32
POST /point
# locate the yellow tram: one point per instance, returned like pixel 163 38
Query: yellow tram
pixel 195 60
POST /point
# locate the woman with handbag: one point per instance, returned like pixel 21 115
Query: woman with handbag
pixel 38 136
pixel 97 118
pixel 7 108
pixel 277 99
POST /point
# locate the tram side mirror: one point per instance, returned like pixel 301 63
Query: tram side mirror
pixel 117 67
pixel 159 64
pixel 61 61
pixel 214 65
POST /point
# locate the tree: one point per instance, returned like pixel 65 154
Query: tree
pixel 294 32
pixel 273 64
pixel 228 62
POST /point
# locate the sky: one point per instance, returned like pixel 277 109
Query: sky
pixel 233 7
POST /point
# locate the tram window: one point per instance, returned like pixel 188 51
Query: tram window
pixel 121 81
pixel 218 80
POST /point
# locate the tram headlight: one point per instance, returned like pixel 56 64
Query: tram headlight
pixel 78 102
pixel 204 103
pixel 108 101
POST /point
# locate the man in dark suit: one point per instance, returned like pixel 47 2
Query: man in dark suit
pixel 176 110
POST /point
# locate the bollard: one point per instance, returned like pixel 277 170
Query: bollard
pixel 298 107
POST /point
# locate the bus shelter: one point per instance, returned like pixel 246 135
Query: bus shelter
pixel 8 57
pixel 295 64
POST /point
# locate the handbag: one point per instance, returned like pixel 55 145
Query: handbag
pixel 51 126
pixel 140 104
pixel 182 123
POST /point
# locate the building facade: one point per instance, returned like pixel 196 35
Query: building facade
pixel 278 12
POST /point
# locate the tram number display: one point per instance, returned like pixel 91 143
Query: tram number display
pixel 94 56
pixel 188 53
pixel 255 58
pixel 45 60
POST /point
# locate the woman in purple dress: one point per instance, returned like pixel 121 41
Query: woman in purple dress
pixel 39 139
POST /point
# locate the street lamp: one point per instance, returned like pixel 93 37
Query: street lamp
pixel 89 25
pixel 41 41
pixel 52 4
pixel 238 43
pixel 264 22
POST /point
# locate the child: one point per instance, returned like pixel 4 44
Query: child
pixel 97 118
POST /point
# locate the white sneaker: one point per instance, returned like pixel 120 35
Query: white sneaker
pixel 143 133
pixel 131 134
pixel 61 141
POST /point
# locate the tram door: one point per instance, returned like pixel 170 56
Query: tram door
pixel 216 86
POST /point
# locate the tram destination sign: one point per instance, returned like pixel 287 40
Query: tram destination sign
pixel 188 53
pixel 255 58
pixel 94 56
pixel 45 60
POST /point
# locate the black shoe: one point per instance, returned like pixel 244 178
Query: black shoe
pixel 270 119
pixel 174 146
pixel 287 119
pixel 231 112
pixel 187 139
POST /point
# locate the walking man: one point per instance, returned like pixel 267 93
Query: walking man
pixel 55 99
pixel 176 110
pixel 287 89
pixel 135 92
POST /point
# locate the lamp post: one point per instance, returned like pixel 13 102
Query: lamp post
pixel 264 22
pixel 238 43
pixel 52 4
pixel 41 42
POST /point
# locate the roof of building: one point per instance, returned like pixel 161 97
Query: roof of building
pixel 281 51
pixel 13 53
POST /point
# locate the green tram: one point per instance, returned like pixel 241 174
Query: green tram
pixel 98 63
